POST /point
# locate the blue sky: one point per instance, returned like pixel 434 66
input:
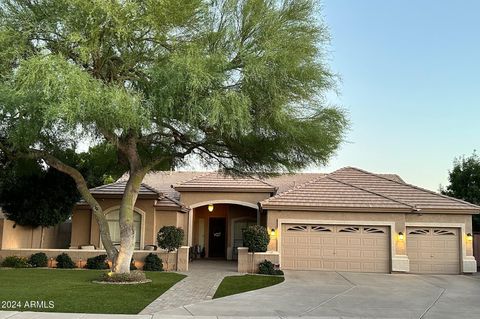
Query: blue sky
pixel 410 82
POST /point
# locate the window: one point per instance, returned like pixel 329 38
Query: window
pixel 114 225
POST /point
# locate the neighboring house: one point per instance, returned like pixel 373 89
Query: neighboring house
pixel 349 220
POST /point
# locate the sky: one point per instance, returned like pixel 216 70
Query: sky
pixel 410 83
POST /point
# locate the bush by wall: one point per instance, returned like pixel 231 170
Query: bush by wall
pixel 97 262
pixel 153 263
pixel 266 267
pixel 15 262
pixel 256 238
pixel 38 260
pixel 64 261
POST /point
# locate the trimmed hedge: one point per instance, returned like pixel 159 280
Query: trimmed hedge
pixel 266 267
pixel 256 238
pixel 153 263
pixel 38 260
pixel 64 261
pixel 15 262
pixel 97 262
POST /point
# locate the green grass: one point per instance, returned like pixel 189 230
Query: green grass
pixel 73 290
pixel 237 284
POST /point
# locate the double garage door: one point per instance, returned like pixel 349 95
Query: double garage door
pixel 367 248
pixel 335 248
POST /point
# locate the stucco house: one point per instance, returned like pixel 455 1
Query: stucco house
pixel 348 220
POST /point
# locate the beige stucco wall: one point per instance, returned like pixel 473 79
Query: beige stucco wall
pixel 85 229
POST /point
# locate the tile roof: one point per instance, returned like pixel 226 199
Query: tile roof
pixel 354 188
pixel 118 188
pixel 216 181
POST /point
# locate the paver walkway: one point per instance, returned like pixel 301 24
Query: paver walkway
pixel 201 282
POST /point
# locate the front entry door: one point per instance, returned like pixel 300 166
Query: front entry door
pixel 216 243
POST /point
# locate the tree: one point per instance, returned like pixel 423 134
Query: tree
pixel 237 83
pixel 32 194
pixel 464 181
pixel 170 238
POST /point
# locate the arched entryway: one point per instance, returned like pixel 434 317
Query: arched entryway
pixel 217 228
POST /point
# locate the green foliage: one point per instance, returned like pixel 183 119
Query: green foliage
pixel 97 262
pixel 15 262
pixel 64 261
pixel 133 276
pixel 256 238
pixel 153 263
pixel 170 238
pixel 266 267
pixel 238 83
pixel 51 194
pixel 38 260
pixel 464 181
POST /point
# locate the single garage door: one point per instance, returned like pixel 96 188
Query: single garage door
pixel 433 250
pixel 335 248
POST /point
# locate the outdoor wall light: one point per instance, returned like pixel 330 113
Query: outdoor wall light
pixel 469 237
pixel 210 208
pixel 401 236
pixel 272 232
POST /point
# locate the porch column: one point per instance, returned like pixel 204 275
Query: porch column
pixel 190 228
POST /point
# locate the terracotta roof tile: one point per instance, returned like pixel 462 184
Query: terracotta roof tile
pixel 351 187
pixel 118 188
pixel 215 181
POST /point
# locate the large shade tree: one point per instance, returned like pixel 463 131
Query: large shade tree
pixel 239 83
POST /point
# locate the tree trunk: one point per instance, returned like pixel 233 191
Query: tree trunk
pixel 42 234
pixel 127 231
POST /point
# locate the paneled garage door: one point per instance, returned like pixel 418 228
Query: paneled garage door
pixel 335 248
pixel 433 250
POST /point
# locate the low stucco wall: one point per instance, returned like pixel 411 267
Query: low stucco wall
pixel 177 260
pixel 248 262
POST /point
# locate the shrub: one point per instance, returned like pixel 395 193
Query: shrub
pixel 153 263
pixel 64 261
pixel 97 262
pixel 15 262
pixel 266 267
pixel 256 238
pixel 170 238
pixel 38 260
pixel 134 276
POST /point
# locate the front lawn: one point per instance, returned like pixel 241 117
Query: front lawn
pixel 237 284
pixel 73 291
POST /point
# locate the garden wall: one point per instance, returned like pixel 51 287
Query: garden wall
pixel 248 262
pixel 176 260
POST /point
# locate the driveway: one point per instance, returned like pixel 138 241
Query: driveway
pixel 332 294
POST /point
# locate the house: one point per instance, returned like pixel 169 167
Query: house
pixel 348 220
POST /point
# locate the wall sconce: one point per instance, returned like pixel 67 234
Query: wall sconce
pixel 210 208
pixel 272 232
pixel 401 236
pixel 469 237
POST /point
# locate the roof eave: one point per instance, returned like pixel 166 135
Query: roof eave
pixel 346 209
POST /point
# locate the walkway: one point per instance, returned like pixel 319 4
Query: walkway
pixel 203 279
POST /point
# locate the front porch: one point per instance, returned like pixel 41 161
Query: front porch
pixel 217 229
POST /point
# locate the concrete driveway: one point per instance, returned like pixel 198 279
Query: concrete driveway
pixel 331 294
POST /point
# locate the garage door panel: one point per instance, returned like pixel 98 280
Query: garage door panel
pixel 341 248
pixel 433 250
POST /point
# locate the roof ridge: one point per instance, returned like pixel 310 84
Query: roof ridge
pixel 194 178
pixel 295 187
pixel 153 189
pixel 370 191
pixel 105 185
pixel 417 187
